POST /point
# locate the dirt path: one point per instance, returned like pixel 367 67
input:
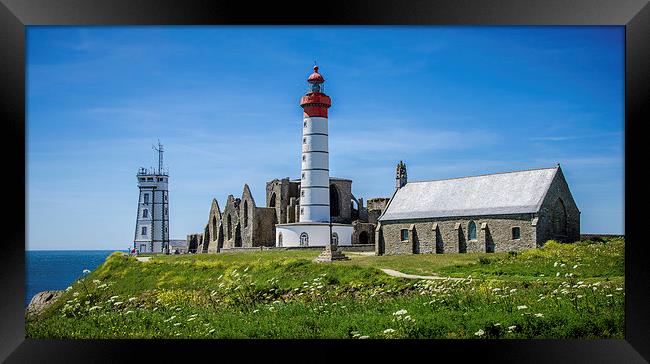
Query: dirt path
pixel 399 274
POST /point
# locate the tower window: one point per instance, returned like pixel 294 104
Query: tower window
pixel 303 176
pixel 304 140
pixel 144 230
pixel 302 211
pixel 146 198
pixel 304 124
pixel 516 233
pixel 304 158
pixel 404 234
pixel 302 193
pixel 145 213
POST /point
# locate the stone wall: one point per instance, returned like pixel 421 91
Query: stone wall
pixel 449 235
pixel 557 202
pixel 264 227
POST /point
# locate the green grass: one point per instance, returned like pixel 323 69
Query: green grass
pixel 283 294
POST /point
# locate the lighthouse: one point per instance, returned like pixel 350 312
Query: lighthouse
pixel 315 173
pixel 314 226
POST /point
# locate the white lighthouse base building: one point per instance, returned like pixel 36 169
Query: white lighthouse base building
pixel 304 234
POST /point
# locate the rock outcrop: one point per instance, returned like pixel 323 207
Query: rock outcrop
pixel 41 301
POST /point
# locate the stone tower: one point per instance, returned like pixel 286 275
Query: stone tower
pixel 315 177
pixel 400 175
pixel 152 221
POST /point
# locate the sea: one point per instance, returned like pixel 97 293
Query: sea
pixel 48 270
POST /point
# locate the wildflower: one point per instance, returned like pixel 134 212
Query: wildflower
pixel 364 337
pixel 575 266
pixel 609 295
pixel 131 299
pixel 579 296
pixel 256 311
pixel 68 289
pixel 191 319
pixel 75 294
pixel 562 265
pixel 512 327
pixel 555 264
pixel 389 331
pixel 96 281
pixel 557 274
pixel 479 332
pixel 539 315
pixel 176 324
pixel 128 312
pixel 522 307
pixel 94 308
pixel 114 297
pixel 400 312
pixel 211 331
pixel 118 303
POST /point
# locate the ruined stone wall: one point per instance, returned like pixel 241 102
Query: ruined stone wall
pixel 375 207
pixel 264 227
pixel 344 188
pixel 363 233
pixel 449 235
pixel 559 189
pixel 231 230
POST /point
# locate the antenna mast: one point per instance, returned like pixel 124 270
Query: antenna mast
pixel 160 151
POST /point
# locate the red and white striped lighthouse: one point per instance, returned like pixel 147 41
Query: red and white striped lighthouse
pixel 314 227
pixel 315 177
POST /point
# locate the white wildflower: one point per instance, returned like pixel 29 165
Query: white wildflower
pixel 389 331
pixel 539 315
pixel 479 332
pixel 364 337
pixel 211 331
pixel 400 312
pixel 575 266
pixel 118 303
pixel 522 307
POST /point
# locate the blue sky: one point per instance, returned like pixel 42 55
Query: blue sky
pixel 449 101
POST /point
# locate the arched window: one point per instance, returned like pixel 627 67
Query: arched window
pixel 272 200
pixel 229 227
pixel 304 239
pixel 334 201
pixel 280 239
pixel 145 213
pixel 214 227
pixel 245 213
pixel 471 231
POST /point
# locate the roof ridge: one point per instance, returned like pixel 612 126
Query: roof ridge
pixel 482 175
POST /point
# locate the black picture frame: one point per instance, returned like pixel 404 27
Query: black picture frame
pixel 15 15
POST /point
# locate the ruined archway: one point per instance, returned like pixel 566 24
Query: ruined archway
pixel 363 238
pixel 335 203
pixel 272 200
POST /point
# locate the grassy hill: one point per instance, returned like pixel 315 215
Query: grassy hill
pixel 559 291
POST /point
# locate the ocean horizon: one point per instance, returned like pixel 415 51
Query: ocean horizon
pixel 47 270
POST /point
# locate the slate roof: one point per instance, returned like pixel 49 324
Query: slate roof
pixel 491 194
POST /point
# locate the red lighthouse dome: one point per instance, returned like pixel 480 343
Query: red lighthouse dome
pixel 315 77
